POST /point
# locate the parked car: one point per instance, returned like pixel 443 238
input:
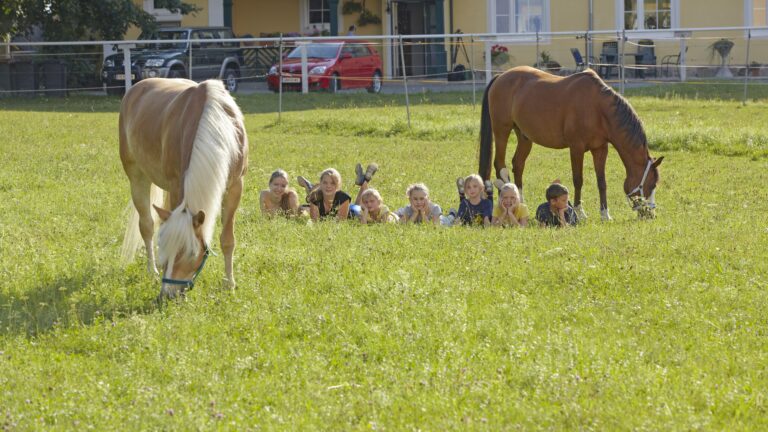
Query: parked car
pixel 171 59
pixel 331 66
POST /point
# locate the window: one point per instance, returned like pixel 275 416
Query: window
pixel 319 12
pixel 162 15
pixel 648 14
pixel 758 14
pixel 522 16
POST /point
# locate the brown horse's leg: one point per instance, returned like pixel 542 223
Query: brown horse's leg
pixel 599 156
pixel 518 159
pixel 501 137
pixel 577 169
pixel 140 194
pixel 229 207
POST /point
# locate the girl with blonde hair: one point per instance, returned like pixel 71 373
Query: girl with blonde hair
pixel 420 209
pixel 509 212
pixel 279 198
pixel 475 209
pixel 327 200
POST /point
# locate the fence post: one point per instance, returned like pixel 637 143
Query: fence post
pixel 621 62
pixel 472 66
pixel 488 70
pixel 682 71
pixel 280 79
pixel 405 82
pixel 746 70
pixel 190 58
pixel 127 64
pixel 304 73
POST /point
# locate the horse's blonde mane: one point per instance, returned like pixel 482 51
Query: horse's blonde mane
pixel 215 148
pixel 176 235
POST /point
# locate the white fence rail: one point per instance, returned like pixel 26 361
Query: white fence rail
pixel 736 55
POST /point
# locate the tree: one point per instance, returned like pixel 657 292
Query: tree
pixel 77 20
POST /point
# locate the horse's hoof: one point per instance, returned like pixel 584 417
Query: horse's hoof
pixel 229 284
pixel 605 216
pixel 580 213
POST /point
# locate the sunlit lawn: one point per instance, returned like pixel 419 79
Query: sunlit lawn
pixel 654 325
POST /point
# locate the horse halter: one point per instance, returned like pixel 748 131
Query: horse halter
pixel 188 284
pixel 639 187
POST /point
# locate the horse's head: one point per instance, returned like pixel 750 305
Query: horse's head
pixel 181 249
pixel 640 187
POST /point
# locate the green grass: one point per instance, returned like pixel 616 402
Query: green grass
pixel 630 325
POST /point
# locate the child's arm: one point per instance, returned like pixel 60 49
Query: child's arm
pixel 364 216
pixel 343 212
pixel 486 221
pixel 293 203
pixel 314 212
pixel 435 218
pixel 262 204
pixel 523 222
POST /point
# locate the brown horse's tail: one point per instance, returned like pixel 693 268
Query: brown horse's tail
pixel 486 136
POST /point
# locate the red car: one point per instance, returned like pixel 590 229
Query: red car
pixel 331 66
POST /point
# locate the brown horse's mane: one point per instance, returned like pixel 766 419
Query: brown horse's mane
pixel 626 117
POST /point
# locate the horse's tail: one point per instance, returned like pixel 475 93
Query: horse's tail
pixel 486 136
pixel 216 147
pixel 132 240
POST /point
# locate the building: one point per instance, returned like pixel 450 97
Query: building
pixel 656 21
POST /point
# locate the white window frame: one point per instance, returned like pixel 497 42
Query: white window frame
pixel 546 25
pixel 643 33
pixel 749 19
pixel 161 14
pixel 306 25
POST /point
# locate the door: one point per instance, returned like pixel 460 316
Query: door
pixel 411 20
pixel 419 17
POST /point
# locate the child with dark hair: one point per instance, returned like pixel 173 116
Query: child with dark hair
pixel 556 212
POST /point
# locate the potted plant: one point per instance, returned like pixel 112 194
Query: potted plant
pixel 722 48
pixel 547 63
pixel 368 17
pixel 350 7
pixel 499 55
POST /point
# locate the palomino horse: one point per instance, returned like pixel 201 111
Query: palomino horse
pixel 579 112
pixel 189 140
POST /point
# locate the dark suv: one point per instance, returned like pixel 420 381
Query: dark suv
pixel 171 59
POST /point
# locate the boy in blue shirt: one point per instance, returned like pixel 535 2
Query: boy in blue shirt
pixel 557 211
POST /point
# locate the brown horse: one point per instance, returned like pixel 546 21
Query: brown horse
pixel 579 112
pixel 189 140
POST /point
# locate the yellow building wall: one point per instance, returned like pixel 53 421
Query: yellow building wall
pixel 255 17
pixel 198 20
pixel 377 7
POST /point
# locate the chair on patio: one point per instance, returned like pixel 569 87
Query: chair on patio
pixel 670 64
pixel 609 59
pixel 581 64
pixel 646 56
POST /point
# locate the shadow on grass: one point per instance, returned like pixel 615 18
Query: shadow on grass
pixel 75 300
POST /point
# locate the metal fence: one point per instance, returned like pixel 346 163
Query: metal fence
pixel 733 55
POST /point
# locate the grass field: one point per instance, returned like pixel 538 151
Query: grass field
pixel 629 325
